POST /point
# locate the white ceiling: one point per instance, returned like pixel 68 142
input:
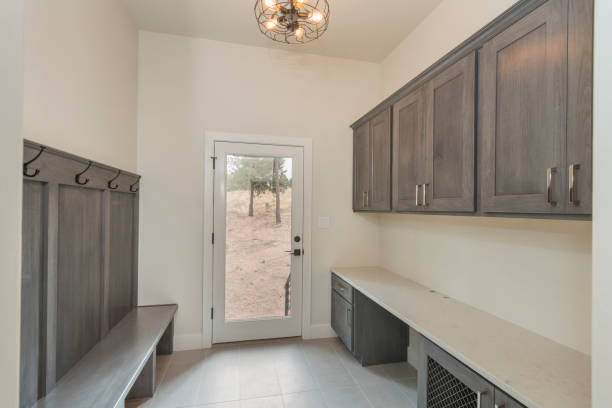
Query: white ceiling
pixel 358 29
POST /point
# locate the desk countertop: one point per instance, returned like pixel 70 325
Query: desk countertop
pixel 536 371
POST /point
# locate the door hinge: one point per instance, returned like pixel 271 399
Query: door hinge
pixel 213 238
pixel 214 159
pixel 212 313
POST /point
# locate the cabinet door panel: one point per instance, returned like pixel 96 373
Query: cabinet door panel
pixel 361 166
pixel 580 105
pixel 408 151
pixel 450 138
pixel 379 197
pixel 342 319
pixel 523 113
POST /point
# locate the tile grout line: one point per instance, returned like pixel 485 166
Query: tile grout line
pixel 353 377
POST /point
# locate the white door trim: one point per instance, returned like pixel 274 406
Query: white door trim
pixel 207 290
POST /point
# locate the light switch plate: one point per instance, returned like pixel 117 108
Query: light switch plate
pixel 324 222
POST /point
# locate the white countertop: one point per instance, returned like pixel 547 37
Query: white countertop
pixel 536 371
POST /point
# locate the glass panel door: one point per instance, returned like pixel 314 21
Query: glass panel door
pixel 258 226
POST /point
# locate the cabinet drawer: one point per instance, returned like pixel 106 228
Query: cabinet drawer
pixel 442 378
pixel 344 289
pixel 342 319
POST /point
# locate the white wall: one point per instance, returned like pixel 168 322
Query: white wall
pixel 451 23
pixel 535 273
pixel 11 97
pixel 188 86
pixel 81 77
pixel 602 218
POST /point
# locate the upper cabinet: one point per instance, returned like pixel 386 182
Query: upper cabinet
pixel 526 112
pixel 509 111
pixel 433 143
pixel 372 164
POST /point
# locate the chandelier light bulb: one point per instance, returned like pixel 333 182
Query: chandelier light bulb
pixel 271 24
pixel 299 32
pixel 270 3
pixel 316 16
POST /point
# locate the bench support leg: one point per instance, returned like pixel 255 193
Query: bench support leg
pixel 144 387
pixel 166 343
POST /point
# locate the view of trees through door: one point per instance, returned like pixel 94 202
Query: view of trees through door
pixel 258 232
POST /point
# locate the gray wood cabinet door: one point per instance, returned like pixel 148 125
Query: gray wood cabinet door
pixel 580 107
pixel 442 378
pixel 342 319
pixel 379 196
pixel 409 151
pixel 502 400
pixel 361 166
pixel 450 118
pixel 522 105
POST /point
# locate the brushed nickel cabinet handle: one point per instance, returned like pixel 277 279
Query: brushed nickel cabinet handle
pixel 479 395
pixel 425 203
pixel 573 193
pixel 502 405
pixel 549 174
pixel 363 199
pixel 367 199
pixel 416 195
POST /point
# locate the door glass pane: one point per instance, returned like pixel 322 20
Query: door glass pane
pixel 258 234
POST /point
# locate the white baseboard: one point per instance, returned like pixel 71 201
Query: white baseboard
pixel 187 342
pixel 319 331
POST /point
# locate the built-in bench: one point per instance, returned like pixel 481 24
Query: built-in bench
pixel 122 365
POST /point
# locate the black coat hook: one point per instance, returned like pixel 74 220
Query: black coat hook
pixel 26 164
pixel 133 187
pixel 77 178
pixel 110 182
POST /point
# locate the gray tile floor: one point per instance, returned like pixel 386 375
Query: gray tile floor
pixel 290 373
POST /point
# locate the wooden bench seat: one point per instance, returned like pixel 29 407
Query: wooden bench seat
pixel 121 365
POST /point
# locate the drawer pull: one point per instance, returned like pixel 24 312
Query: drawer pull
pixel 479 395
pixel 502 405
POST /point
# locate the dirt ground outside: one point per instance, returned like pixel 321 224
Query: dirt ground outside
pixel 257 265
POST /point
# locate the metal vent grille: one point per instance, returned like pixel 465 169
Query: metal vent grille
pixel 444 390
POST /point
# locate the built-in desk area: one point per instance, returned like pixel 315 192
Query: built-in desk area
pixel 514 363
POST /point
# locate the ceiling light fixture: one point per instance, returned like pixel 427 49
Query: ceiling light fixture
pixel 292 21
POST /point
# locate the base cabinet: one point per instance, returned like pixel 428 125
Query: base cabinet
pixel 369 332
pixel 444 382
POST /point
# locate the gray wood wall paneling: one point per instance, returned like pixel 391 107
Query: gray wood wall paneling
pixel 31 292
pixel 121 251
pixel 77 269
pixel 79 278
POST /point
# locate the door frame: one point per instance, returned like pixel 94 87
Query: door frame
pixel 210 137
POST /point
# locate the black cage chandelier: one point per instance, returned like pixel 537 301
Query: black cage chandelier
pixel 292 21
